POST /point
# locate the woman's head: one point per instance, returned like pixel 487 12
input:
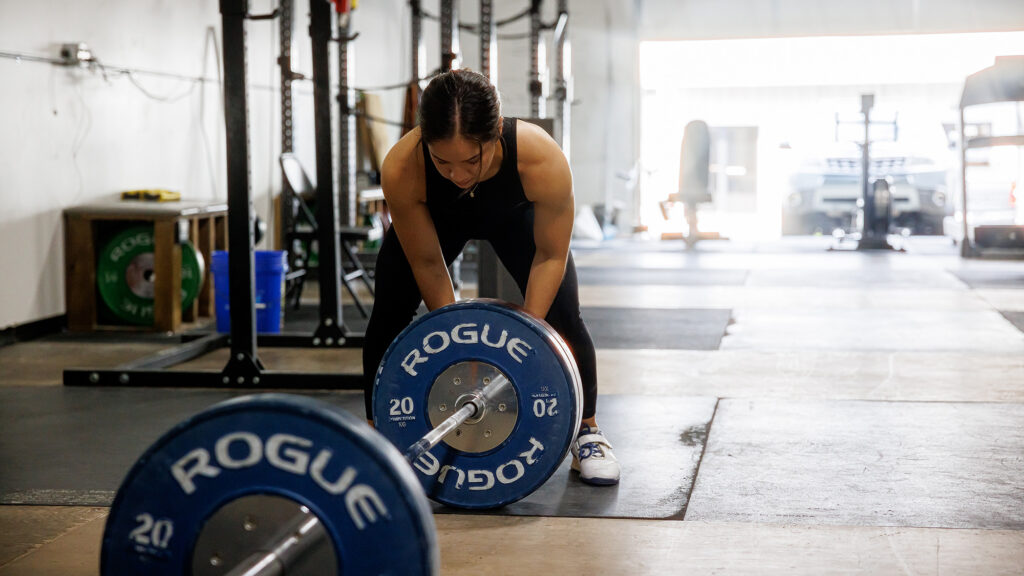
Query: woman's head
pixel 460 103
pixel 460 122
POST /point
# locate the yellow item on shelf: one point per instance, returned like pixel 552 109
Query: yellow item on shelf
pixel 152 195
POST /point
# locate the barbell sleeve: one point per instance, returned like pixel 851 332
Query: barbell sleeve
pixel 475 406
pixel 443 429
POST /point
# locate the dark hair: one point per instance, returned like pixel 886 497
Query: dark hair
pixel 460 103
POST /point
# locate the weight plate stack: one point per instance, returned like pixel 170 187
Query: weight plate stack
pixel 125 275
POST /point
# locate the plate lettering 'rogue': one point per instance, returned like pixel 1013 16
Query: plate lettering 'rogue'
pixel 467 334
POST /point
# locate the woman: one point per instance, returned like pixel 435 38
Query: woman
pixel 467 173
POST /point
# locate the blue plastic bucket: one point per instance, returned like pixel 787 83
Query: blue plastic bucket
pixel 271 266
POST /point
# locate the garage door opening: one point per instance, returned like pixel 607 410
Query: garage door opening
pixel 784 115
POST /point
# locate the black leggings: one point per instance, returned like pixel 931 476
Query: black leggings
pixel 397 296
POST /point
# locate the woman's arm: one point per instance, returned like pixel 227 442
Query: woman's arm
pixel 547 181
pixel 404 186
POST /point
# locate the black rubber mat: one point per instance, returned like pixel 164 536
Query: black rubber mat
pixel 609 276
pixel 112 337
pixel 621 328
pixel 307 318
pixel 73 446
pixel 657 328
pixel 303 320
pixel 658 442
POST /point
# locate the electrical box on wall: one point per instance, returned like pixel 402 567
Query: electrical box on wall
pixel 76 54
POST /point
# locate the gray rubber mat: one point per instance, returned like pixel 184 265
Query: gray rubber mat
pixel 615 276
pixel 1008 277
pixel 1015 318
pixel 855 463
pixel 657 328
pixel 73 446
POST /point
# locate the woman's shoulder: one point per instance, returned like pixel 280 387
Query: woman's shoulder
pixel 404 157
pixel 402 168
pixel 543 168
pixel 535 148
pixel 404 152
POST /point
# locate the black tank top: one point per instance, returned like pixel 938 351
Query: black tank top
pixel 496 199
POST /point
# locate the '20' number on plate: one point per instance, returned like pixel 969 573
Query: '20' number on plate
pixel 545 407
pixel 401 406
pixel 150 532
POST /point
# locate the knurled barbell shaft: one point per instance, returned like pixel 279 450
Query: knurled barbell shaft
pixel 301 534
pixel 468 410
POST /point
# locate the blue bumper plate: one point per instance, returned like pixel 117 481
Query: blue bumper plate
pixel 353 480
pixel 541 370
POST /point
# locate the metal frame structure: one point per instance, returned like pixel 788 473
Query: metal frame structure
pixel 1001 82
pixel 449 34
pixel 348 195
pixel 244 368
pixel 331 330
pixel 488 40
pixel 418 55
pixel 284 63
pixel 877 216
pixel 870 226
pixel 332 253
pixel 537 108
pixel 562 87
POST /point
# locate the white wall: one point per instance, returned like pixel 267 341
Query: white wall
pixel 605 120
pixel 704 19
pixel 72 136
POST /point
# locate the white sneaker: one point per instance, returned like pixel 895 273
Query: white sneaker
pixel 592 457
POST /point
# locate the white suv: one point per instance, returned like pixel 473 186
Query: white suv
pixel 826 188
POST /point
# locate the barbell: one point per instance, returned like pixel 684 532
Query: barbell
pixel 484 399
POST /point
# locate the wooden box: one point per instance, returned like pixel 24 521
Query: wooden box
pixel 205 225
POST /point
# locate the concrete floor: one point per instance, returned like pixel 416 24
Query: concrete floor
pixel 869 419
